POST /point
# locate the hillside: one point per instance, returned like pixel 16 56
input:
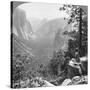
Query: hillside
pixel 19 46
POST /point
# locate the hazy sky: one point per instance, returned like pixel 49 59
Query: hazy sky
pixel 42 10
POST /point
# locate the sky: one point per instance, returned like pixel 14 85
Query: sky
pixel 42 10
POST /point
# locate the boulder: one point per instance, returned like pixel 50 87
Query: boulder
pixel 66 82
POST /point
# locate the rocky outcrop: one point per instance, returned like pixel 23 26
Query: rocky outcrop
pixel 75 81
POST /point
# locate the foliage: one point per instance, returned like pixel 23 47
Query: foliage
pixel 26 67
pixel 19 66
pixel 56 62
pixel 78 19
pixel 74 13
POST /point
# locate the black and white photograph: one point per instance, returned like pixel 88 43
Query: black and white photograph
pixel 49 44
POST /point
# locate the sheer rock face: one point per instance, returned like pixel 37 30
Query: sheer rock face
pixel 21 25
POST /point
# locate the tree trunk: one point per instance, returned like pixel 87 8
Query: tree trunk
pixel 80 32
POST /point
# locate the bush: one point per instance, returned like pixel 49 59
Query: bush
pixel 56 62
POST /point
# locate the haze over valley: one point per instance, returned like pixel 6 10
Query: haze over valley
pixel 38 36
